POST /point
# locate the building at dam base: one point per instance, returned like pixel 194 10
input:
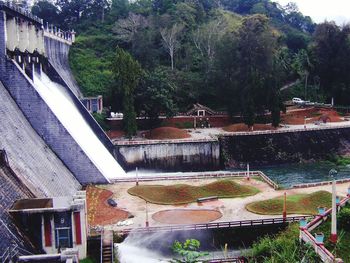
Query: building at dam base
pixel 44 159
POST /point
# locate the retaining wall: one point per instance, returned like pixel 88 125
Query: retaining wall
pixel 172 156
pixel 264 148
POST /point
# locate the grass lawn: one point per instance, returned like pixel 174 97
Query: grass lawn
pixel 283 248
pixel 296 204
pixel 184 194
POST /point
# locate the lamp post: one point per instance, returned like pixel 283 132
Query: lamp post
pixel 248 172
pixel 147 223
pixel 137 176
pixel 285 207
pixel 334 238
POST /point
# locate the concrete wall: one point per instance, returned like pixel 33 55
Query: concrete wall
pixel 194 156
pixel 24 35
pixel 42 119
pixel 57 52
pixel 287 147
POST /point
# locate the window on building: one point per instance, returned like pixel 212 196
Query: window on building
pixel 63 238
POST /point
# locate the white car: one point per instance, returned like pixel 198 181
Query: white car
pixel 298 101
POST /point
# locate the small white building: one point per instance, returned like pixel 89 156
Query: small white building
pixel 54 224
pixel 93 104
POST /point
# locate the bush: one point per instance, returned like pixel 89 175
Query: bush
pixel 100 118
pixel 184 125
pixel 284 247
pixel 344 219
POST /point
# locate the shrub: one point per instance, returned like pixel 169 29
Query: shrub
pixel 344 219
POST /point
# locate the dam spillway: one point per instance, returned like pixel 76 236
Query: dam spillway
pixel 34 70
pixel 63 107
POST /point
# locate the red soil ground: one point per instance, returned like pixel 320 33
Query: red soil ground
pixel 99 212
pixel 186 216
pixel 241 127
pixel 163 133
pixel 115 134
pixel 312 115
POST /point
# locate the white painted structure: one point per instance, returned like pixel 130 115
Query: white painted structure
pixel 63 222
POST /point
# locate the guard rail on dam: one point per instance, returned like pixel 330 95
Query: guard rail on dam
pixel 23 55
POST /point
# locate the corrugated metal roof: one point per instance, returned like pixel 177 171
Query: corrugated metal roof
pixel 11 190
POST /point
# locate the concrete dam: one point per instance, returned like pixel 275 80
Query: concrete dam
pixel 51 140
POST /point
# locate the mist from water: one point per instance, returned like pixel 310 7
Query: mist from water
pixel 63 107
pixel 137 248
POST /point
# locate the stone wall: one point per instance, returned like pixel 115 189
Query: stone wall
pixel 286 147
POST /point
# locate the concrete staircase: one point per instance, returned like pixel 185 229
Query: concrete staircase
pixel 107 247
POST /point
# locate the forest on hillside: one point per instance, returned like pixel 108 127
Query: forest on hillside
pixel 160 56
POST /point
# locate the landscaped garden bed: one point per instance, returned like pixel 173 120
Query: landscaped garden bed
pixel 184 194
pixel 99 212
pixel 305 204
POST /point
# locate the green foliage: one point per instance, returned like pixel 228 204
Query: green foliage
pixel 339 160
pixel 90 60
pixel 284 247
pixel 188 251
pixel 87 260
pixel 47 11
pixel 342 248
pixel 156 96
pixel 183 125
pixel 184 194
pixel 344 219
pixel 100 118
pixel 296 204
pixel 219 57
pixel 127 74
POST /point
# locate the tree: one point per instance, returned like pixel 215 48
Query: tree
pixel 188 251
pixel 47 11
pixel 302 65
pixel 156 96
pixel 127 73
pixel 119 9
pixel 72 11
pixel 171 41
pixel 256 48
pixel 206 39
pixel 127 28
pixel 331 52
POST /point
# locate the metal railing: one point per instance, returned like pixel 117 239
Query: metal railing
pixel 231 224
pixel 305 235
pixel 197 176
pixel 20 10
pixel 341 181
pixel 145 142
pixel 288 130
pixel 322 252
